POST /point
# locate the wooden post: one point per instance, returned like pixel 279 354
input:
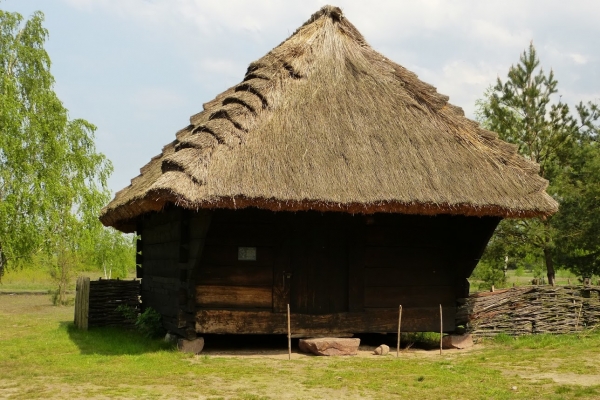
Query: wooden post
pixel 289 334
pixel 82 303
pixel 399 325
pixel 578 317
pixel 441 329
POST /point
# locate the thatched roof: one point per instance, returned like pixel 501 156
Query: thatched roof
pixel 325 122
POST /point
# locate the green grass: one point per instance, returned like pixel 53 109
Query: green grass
pixel 26 279
pixel 39 280
pixel 43 356
pixel 524 278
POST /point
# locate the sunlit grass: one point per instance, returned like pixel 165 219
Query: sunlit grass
pixel 39 280
pixel 43 356
pixel 26 280
pixel 524 277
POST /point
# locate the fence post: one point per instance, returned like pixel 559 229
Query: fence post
pixel 399 326
pixel 442 329
pixel 82 303
pixel 289 333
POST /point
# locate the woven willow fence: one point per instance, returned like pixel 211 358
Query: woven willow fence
pixel 96 302
pixel 530 310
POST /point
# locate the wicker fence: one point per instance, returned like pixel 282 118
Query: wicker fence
pixel 96 302
pixel 531 309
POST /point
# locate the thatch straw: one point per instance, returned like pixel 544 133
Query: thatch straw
pixel 325 122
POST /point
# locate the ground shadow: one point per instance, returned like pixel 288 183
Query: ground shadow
pixel 277 345
pixel 121 341
pixel 247 345
pixel 113 341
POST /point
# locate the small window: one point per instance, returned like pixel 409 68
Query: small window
pixel 247 253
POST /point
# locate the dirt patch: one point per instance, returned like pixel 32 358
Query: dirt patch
pixel 564 378
pixel 550 373
pixel 21 304
pixel 363 352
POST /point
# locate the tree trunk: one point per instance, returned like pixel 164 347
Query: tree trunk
pixel 549 266
pixel 2 262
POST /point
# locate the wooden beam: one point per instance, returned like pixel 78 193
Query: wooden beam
pixel 266 322
pixel 409 296
pixel 234 296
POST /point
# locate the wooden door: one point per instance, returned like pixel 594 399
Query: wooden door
pixel 319 265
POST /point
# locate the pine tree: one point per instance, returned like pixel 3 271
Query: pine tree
pixel 527 111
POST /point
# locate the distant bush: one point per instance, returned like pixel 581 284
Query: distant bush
pixel 488 275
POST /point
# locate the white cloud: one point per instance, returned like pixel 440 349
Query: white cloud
pixel 150 99
pixel 578 58
pixel 462 81
pixel 208 17
pixel 219 66
pixel 202 47
pixel 467 36
pixel 492 32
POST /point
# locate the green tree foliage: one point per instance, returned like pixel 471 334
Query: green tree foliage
pixel 52 179
pixel 526 110
pixel 578 246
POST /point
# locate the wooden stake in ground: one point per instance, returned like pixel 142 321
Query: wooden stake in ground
pixel 289 334
pixel 578 316
pixel 82 303
pixel 399 325
pixel 441 329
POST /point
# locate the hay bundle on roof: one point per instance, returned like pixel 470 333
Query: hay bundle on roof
pixel 325 122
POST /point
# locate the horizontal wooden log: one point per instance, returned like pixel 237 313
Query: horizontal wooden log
pixel 167 232
pixel 415 230
pixel 234 296
pixel 227 255
pixel 414 258
pixel 161 251
pixel 161 267
pixel 247 216
pixel 248 275
pixel 406 235
pixel 164 304
pixel 265 322
pixel 170 281
pixel 413 296
pixel 242 234
pixel 401 276
pixel 199 224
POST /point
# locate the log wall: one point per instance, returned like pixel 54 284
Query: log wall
pixel 171 245
pixel 225 282
pixel 335 264
pixel 335 269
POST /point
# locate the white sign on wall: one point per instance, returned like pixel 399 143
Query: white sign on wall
pixel 247 253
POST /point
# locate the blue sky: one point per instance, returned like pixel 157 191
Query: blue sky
pixel 138 69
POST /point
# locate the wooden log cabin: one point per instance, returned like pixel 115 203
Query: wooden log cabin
pixel 331 179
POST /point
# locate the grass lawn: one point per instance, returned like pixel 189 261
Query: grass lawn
pixel 42 356
pixel 524 278
pixel 39 280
